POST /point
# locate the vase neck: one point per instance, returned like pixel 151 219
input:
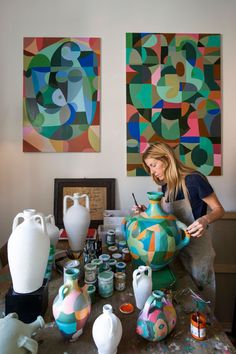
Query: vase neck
pixel 71 278
pixel 155 208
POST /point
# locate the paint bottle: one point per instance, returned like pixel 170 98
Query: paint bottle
pixel 198 326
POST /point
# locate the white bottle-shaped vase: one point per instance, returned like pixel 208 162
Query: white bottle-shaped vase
pixel 107 331
pixel 76 220
pixel 28 250
pixel 142 285
pixel 52 229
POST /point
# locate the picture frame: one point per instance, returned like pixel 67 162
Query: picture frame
pixel 101 192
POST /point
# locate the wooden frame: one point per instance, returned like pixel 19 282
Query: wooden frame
pixel 101 192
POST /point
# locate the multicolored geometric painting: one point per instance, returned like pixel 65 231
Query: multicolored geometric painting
pixel 174 95
pixel 61 95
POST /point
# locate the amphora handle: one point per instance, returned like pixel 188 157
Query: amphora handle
pixel 185 241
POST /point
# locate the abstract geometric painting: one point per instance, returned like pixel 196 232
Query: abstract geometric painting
pixel 61 104
pixel 174 96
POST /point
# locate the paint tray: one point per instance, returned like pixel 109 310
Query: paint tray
pixel 163 279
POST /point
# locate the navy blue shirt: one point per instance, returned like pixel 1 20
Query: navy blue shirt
pixel 198 188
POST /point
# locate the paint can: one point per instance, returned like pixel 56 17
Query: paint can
pixel 198 326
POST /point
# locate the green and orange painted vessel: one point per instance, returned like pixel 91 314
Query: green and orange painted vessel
pixel 154 237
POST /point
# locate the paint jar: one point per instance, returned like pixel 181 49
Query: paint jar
pixel 99 264
pixel 126 255
pixel 95 283
pixel 112 250
pixel 71 263
pixel 112 264
pixel 198 326
pixel 121 245
pixel 91 289
pixel 105 258
pixel 90 272
pixel 117 256
pixel 120 281
pixel 121 267
pixel 105 283
pixel 110 237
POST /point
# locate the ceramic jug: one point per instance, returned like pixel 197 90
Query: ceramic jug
pixel 15 335
pixel 154 237
pixel 52 229
pixel 107 331
pixel 157 319
pixel 72 306
pixel 142 285
pixel 28 251
pixel 76 220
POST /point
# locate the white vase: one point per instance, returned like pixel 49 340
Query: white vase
pixel 76 220
pixel 142 285
pixel 15 335
pixel 107 331
pixel 52 229
pixel 28 250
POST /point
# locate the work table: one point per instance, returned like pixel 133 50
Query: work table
pixel 179 341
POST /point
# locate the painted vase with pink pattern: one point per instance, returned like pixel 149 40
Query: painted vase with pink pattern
pixel 157 319
pixel 71 307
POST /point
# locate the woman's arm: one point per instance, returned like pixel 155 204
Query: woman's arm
pixel 198 227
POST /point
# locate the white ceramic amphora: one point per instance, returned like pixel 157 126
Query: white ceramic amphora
pixel 15 335
pixel 142 285
pixel 28 250
pixel 76 220
pixel 52 229
pixel 107 331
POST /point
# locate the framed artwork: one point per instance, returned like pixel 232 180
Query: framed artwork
pixel 174 95
pixel 61 94
pixel 101 192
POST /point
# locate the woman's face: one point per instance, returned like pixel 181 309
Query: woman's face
pixel 157 168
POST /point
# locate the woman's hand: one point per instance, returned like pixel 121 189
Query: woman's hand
pixel 138 209
pixel 198 227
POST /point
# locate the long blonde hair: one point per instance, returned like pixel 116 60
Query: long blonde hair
pixel 175 170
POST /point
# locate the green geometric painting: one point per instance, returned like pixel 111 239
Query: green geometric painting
pixel 174 95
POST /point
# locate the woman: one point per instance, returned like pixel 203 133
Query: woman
pixel 188 195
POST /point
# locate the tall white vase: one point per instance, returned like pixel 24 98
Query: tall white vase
pixel 142 285
pixel 28 250
pixel 107 331
pixel 76 220
pixel 52 229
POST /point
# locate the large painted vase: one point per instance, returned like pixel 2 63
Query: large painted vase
pixel 72 306
pixel 157 319
pixel 154 237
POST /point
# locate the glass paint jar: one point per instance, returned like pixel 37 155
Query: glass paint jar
pixel 198 326
pixel 120 281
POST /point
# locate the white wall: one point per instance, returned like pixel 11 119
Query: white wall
pixel 26 179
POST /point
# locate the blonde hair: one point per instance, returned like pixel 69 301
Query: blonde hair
pixel 175 170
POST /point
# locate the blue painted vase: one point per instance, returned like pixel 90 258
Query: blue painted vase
pixel 154 237
pixel 157 319
pixel 72 306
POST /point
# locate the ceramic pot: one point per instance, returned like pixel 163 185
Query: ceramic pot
pixel 107 331
pixel 154 237
pixel 71 308
pixel 157 319
pixel 52 229
pixel 28 251
pixel 76 220
pixel 15 335
pixel 142 285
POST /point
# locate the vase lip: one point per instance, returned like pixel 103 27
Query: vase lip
pixel 29 212
pixel 107 308
pixel 158 294
pixel 72 272
pixel 155 195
